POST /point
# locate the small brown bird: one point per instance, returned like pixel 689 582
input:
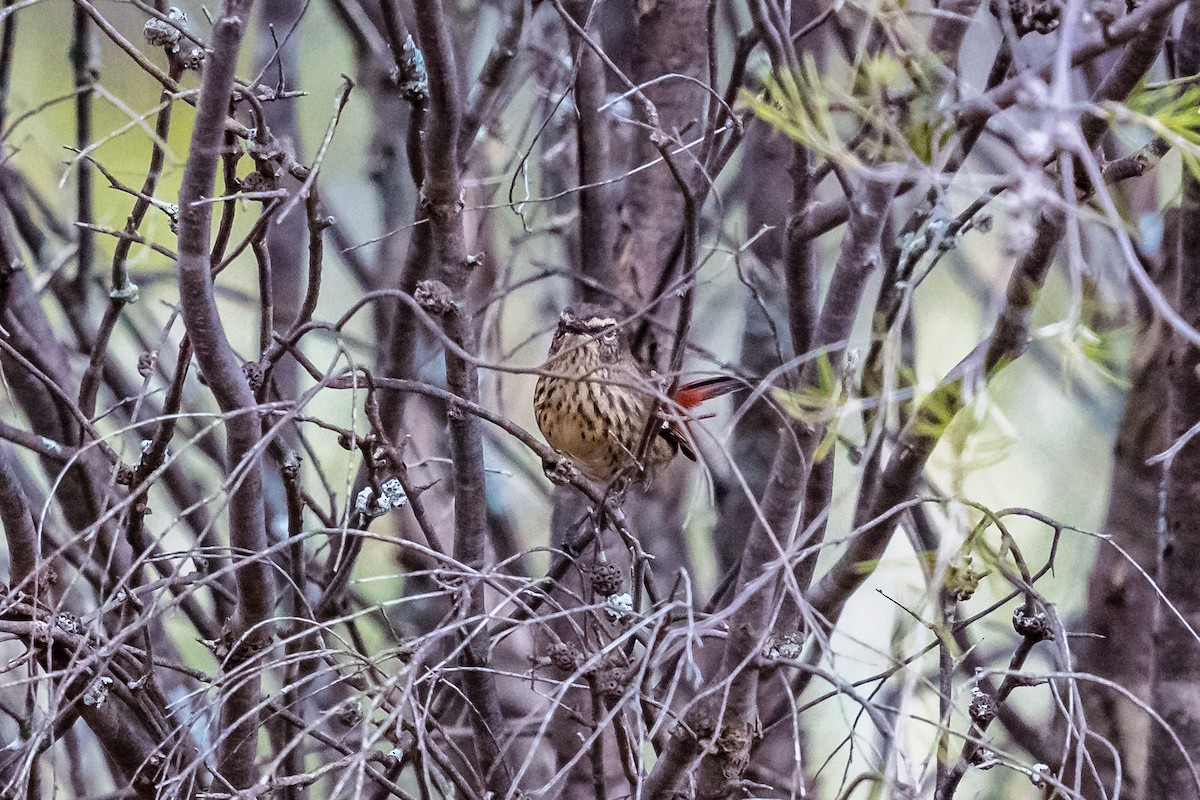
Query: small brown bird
pixel 594 404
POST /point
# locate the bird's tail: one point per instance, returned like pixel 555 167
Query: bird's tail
pixel 690 395
pixel 693 394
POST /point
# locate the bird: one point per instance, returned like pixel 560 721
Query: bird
pixel 593 399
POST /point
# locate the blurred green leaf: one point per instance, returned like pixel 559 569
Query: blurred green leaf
pixel 1171 111
pixel 890 104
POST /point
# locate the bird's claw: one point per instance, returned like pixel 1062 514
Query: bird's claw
pixel 615 493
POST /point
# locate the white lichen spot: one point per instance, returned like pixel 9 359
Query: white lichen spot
pixel 97 693
pixel 618 605
pixel 391 497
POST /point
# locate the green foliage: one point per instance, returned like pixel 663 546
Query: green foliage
pixel 890 107
pixel 1169 110
pixel 799 106
pixel 1104 350
pixel 820 404
pixel 978 438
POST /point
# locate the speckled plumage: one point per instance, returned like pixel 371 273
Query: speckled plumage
pixel 593 404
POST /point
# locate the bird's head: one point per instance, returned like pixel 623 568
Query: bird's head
pixel 588 327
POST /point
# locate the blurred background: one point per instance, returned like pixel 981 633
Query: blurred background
pixel 1039 436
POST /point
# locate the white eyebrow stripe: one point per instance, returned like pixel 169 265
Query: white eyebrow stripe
pixel 597 322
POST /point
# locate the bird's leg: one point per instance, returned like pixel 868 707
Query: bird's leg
pixel 615 492
pixel 634 472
